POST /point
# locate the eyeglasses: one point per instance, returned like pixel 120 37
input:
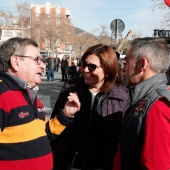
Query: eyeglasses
pixel 91 67
pixel 38 60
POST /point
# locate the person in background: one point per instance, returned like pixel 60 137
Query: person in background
pixel 57 63
pixel 72 71
pixel 64 66
pixel 44 73
pixel 51 66
pixel 25 132
pixel 78 61
pixel 74 60
pixel 69 60
pixel 90 142
pixel 145 141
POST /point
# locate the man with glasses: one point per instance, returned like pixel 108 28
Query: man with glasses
pixel 25 133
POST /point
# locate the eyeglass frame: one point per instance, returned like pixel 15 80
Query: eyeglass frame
pixel 88 66
pixel 37 59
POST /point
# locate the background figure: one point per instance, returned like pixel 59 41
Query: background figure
pixel 120 66
pixel 69 60
pixel 90 142
pixel 25 132
pixel 51 66
pixel 57 63
pixel 78 61
pixel 74 60
pixel 44 73
pixel 145 141
pixel 72 71
pixel 64 66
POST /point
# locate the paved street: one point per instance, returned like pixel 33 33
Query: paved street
pixel 49 91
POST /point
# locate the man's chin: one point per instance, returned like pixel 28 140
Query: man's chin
pixel 37 83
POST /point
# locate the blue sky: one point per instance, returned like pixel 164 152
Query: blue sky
pixel 88 15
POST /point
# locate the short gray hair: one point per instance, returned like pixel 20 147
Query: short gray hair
pixel 155 50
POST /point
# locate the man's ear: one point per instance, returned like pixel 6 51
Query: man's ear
pixel 14 60
pixel 143 64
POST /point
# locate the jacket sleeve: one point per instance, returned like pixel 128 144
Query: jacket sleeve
pixel 56 125
pixel 58 121
pixel 62 98
pixel 156 145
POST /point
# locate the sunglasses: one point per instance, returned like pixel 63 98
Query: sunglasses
pixel 91 67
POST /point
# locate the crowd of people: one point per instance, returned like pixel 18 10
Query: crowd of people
pixel 100 121
pixel 69 67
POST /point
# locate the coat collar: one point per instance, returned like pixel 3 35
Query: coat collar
pixel 144 88
pixel 118 92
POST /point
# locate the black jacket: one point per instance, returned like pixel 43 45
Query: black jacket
pixel 64 64
pixel 94 134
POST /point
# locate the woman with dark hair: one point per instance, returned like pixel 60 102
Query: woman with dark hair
pixel 90 142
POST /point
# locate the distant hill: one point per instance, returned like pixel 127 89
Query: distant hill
pixel 78 30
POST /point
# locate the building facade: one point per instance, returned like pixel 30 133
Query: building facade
pixel 7 32
pixel 45 23
pixel 44 26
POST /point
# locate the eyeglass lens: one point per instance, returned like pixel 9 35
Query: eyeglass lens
pixel 38 60
pixel 91 67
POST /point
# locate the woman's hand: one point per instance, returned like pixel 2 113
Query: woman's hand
pixel 72 105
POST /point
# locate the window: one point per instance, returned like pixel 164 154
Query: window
pixel 8 34
pixel 18 34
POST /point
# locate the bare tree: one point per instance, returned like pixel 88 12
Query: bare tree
pixel 23 14
pixel 51 30
pixel 165 10
pixel 103 37
pixel 6 18
pixel 53 34
pixel 19 19
pixel 85 40
pixel 66 30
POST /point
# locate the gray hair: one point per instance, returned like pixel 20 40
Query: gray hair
pixel 12 47
pixel 155 50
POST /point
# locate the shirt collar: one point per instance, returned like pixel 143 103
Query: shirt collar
pixel 23 83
